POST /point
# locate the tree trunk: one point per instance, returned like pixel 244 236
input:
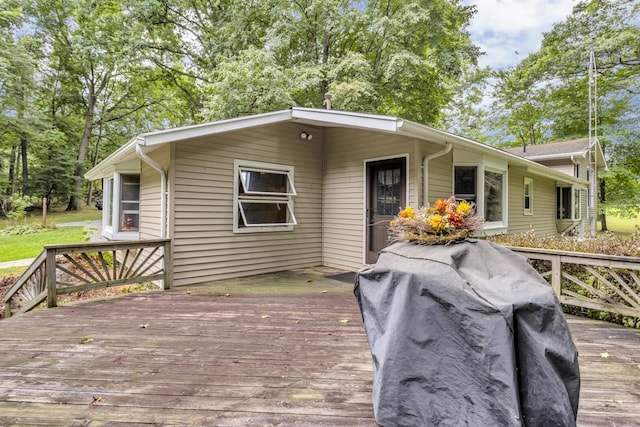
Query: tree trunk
pixel 603 215
pixel 25 164
pixel 12 171
pixel 95 162
pixel 74 200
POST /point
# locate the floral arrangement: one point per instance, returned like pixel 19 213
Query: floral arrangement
pixel 445 222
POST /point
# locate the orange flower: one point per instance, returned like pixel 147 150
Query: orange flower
pixel 455 218
pixel 408 212
pixel 393 223
pixel 441 206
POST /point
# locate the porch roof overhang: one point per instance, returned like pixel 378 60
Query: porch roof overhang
pixel 320 118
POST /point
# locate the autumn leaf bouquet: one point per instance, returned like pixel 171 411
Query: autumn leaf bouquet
pixel 445 222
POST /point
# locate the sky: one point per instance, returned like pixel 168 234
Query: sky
pixel 503 27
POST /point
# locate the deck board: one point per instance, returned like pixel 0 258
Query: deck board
pixel 283 349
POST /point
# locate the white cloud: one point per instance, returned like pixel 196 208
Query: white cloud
pixel 503 27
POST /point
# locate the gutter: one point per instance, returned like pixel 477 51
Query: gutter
pixel 163 184
pixel 425 171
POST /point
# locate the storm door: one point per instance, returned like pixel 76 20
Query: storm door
pixel 386 195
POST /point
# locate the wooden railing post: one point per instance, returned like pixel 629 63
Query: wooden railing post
pixel 52 295
pixel 7 309
pixel 167 276
pixel 556 275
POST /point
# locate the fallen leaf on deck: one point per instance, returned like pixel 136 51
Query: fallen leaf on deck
pixel 297 321
pixel 343 320
pixel 146 325
pixel 604 355
pixel 96 399
pixel 85 340
pixel 324 291
pixel 266 316
pixel 227 295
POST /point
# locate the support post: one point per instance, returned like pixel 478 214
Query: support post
pixel 50 268
pixel 44 212
pixel 167 276
pixel 556 275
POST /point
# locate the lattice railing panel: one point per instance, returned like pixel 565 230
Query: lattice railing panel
pixel 591 281
pixel 72 268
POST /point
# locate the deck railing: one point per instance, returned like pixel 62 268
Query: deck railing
pixel 590 281
pixel 61 269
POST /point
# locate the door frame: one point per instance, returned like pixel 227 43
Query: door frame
pixel 365 193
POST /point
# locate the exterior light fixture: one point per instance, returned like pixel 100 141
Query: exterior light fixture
pixel 305 135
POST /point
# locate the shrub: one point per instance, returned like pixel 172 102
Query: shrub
pixel 605 243
pixel 18 230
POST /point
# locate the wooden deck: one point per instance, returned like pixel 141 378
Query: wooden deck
pixel 284 349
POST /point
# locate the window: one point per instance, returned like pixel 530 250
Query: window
pixel 577 211
pixel 490 198
pixel 590 201
pixel 263 197
pixel 107 201
pixel 493 196
pixel 129 204
pixel 564 203
pixel 121 206
pixel 528 196
pixel 465 183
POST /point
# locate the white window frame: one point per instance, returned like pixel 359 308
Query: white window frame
pixel 490 227
pixel 111 208
pixel 574 203
pixel 250 196
pixel 577 203
pixel 502 223
pixel 527 190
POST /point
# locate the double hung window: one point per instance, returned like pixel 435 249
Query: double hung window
pixel 528 196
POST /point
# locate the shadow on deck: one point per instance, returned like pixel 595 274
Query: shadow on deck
pixel 281 349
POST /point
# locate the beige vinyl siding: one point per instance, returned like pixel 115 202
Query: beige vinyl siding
pixel 343 199
pixel 440 174
pixel 205 247
pixel 150 194
pixel 543 220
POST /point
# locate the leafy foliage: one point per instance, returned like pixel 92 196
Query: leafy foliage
pixel 20 230
pixel 606 243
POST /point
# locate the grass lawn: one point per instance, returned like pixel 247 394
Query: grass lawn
pixel 12 271
pixel 30 245
pixel 621 225
pixel 55 216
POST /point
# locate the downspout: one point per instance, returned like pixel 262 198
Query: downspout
pixel 581 223
pixel 163 185
pixel 425 171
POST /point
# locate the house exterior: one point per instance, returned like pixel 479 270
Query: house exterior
pixel 305 187
pixel 576 207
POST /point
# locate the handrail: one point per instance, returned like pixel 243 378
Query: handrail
pixel 66 268
pixel 598 282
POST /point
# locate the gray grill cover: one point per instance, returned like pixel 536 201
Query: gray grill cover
pixel 467 334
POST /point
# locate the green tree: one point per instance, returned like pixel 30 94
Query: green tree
pixel 546 96
pixel 390 57
pixel 95 66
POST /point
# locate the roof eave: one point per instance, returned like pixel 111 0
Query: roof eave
pixel 212 128
pixel 417 130
pixel 123 153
